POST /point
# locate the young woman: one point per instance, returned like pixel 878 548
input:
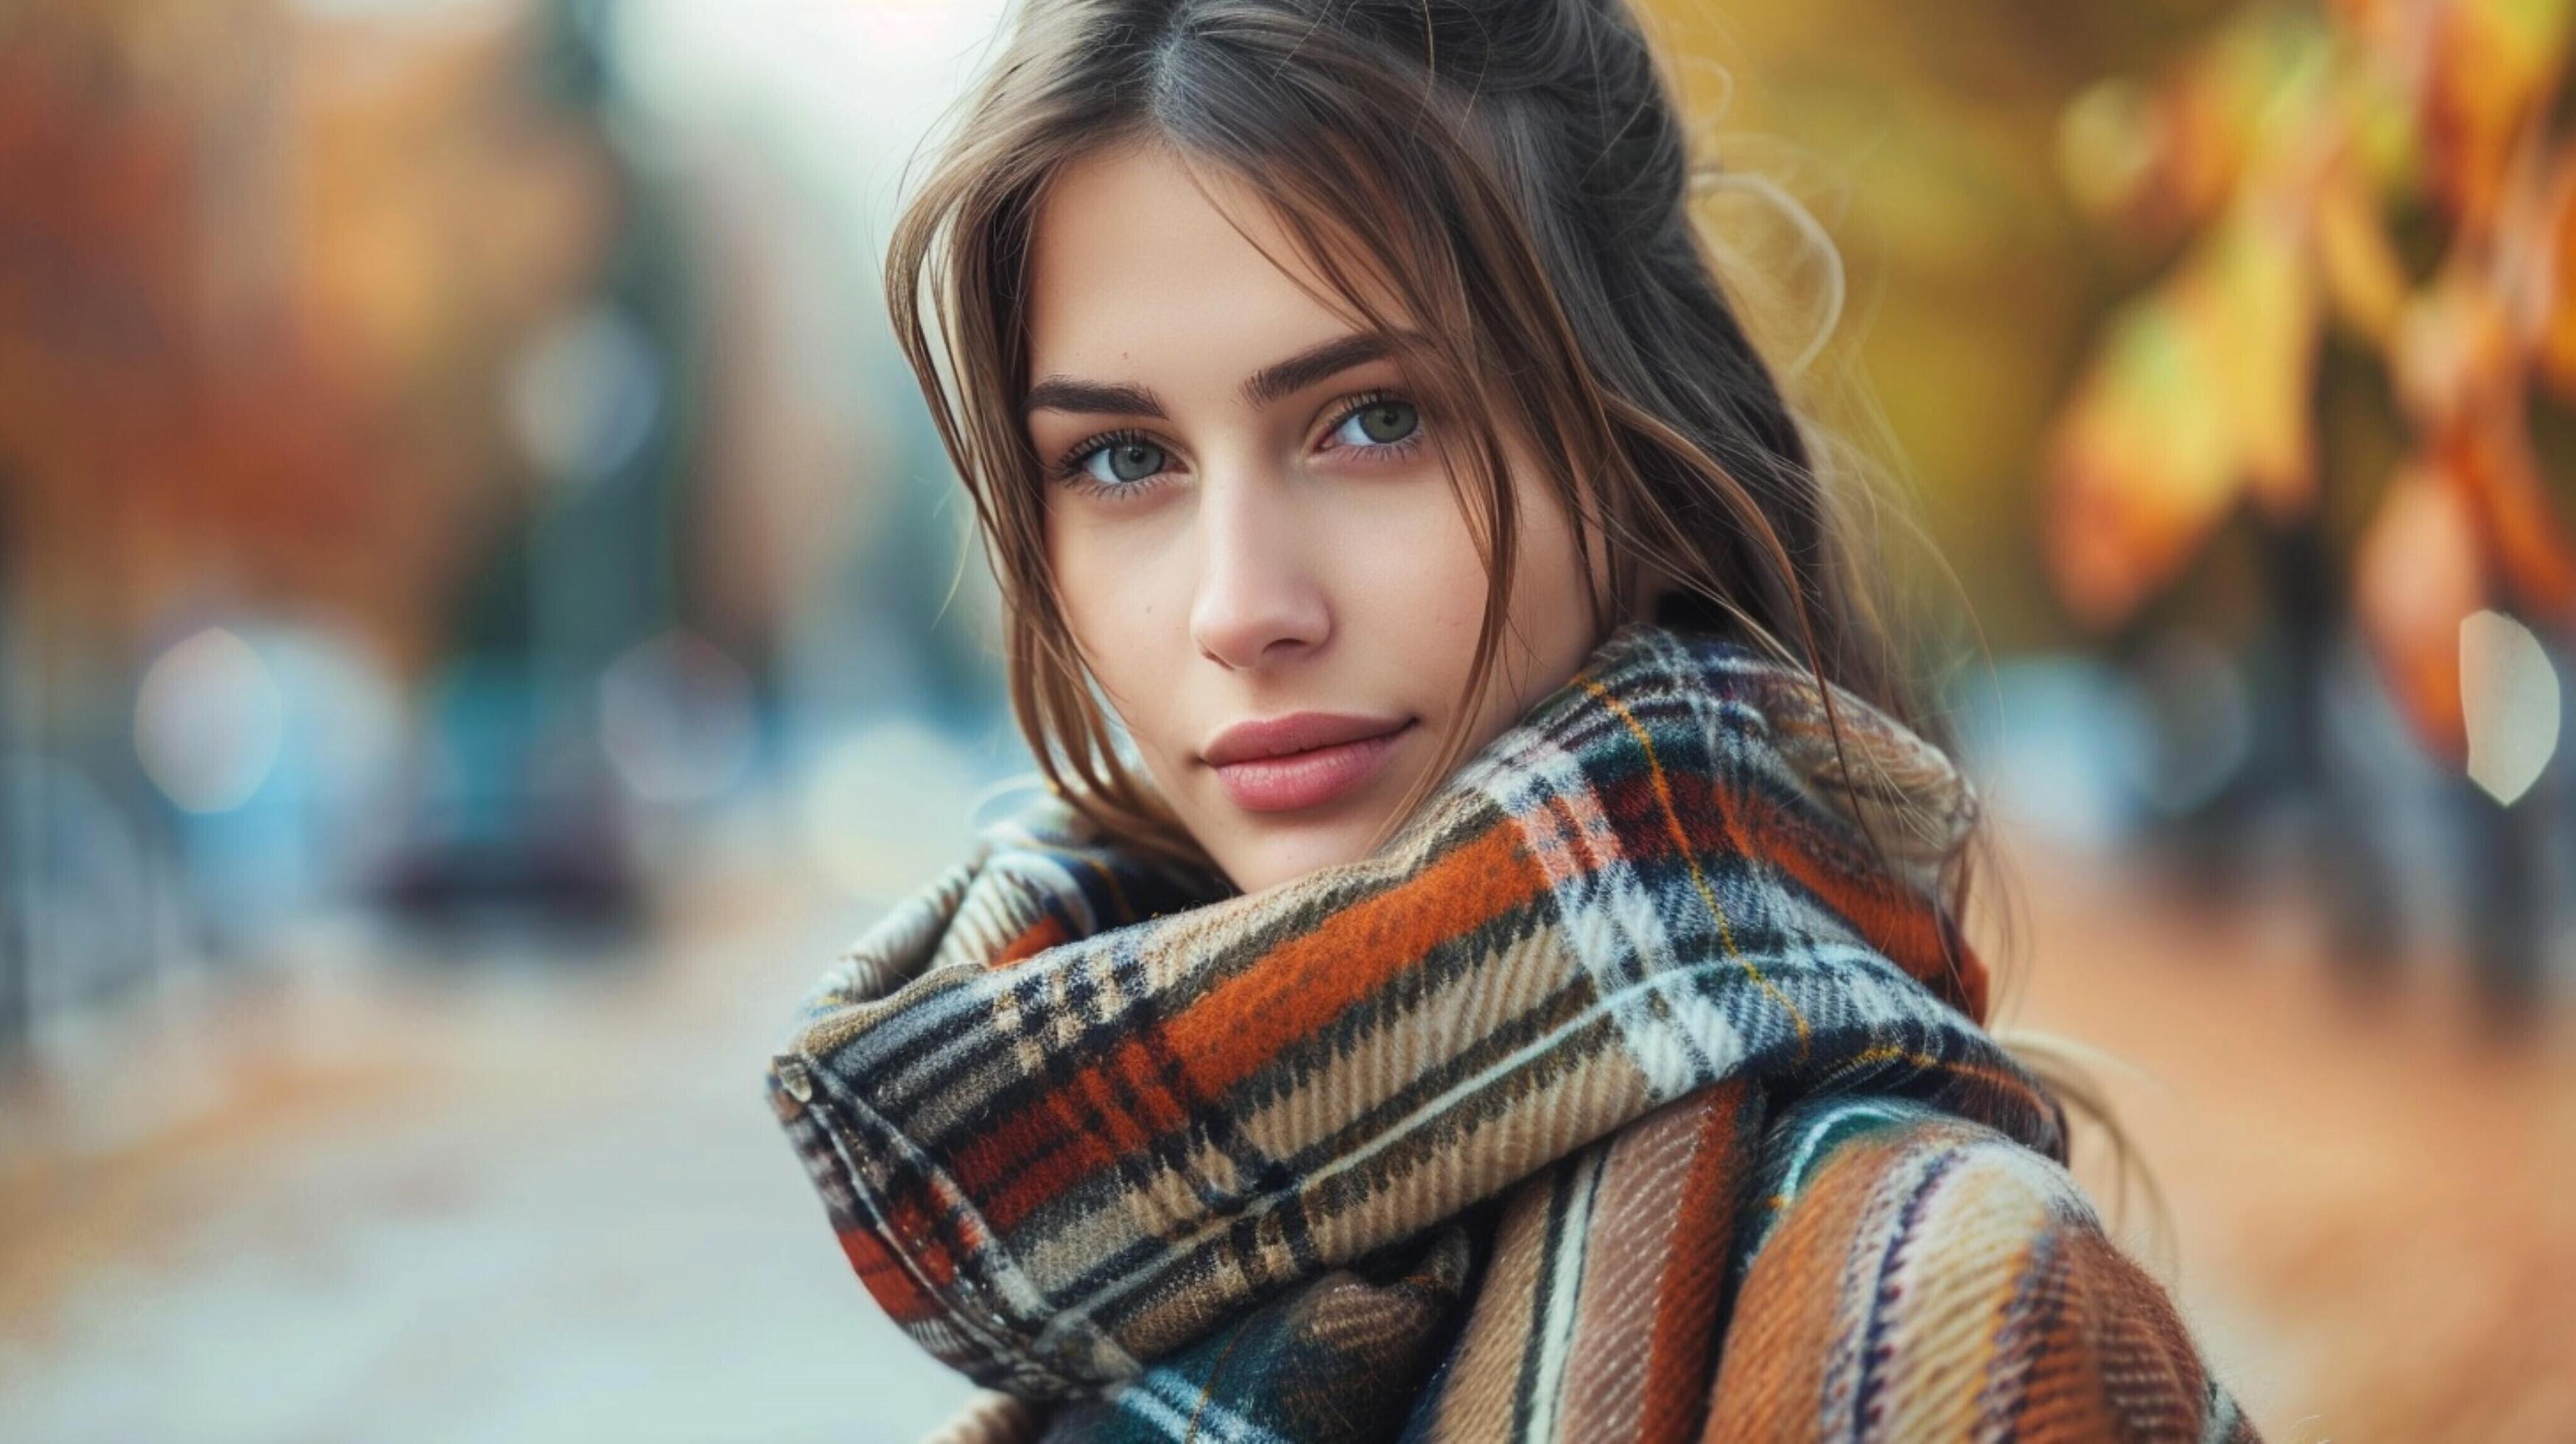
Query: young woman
pixel 1497 977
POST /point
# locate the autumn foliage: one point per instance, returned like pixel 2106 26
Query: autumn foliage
pixel 2284 159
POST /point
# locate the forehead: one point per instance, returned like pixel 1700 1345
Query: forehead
pixel 1135 269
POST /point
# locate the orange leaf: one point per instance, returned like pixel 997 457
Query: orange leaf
pixel 2491 457
pixel 2554 344
pixel 2491 63
pixel 2416 576
pixel 2156 157
pixel 2453 348
pixel 2200 392
pixel 2140 464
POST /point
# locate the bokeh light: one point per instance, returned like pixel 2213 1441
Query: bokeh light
pixel 208 722
pixel 675 717
pixel 2510 695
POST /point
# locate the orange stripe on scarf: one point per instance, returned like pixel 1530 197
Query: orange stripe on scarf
pixel 1286 996
pixel 1307 981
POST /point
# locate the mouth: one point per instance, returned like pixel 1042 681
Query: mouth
pixel 1290 781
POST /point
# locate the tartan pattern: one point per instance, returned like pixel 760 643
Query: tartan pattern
pixel 1895 1273
pixel 1978 1297
pixel 1339 1358
pixel 1101 1130
pixel 1904 1275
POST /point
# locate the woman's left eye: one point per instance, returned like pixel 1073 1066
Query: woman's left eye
pixel 1379 423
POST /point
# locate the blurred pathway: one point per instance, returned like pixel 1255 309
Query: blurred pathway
pixel 513 1198
pixel 2376 1211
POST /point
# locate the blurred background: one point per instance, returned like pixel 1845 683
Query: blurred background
pixel 483 617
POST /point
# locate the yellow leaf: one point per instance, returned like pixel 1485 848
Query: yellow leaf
pixel 2140 464
pixel 2255 317
pixel 2362 273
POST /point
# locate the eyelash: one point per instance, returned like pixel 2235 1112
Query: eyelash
pixel 1068 469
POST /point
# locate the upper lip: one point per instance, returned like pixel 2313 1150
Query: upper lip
pixel 1296 732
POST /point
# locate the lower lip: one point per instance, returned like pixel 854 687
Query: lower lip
pixel 1307 779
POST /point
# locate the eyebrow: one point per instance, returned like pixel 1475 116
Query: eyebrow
pixel 1280 378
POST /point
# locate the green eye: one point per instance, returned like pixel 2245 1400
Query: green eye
pixel 1121 462
pixel 1379 423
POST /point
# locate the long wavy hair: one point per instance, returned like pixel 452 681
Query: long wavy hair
pixel 1516 176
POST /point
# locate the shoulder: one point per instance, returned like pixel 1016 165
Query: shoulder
pixel 1916 1275
pixel 1860 1154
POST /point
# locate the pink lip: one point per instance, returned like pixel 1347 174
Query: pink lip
pixel 1302 760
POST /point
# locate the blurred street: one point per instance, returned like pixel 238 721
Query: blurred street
pixel 435 1193
pixel 2374 1204
pixel 409 1192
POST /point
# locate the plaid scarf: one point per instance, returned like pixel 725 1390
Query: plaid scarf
pixel 1465 1138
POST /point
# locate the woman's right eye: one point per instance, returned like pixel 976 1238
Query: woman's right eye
pixel 1121 462
pixel 1124 463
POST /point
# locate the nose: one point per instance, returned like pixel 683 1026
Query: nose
pixel 1259 600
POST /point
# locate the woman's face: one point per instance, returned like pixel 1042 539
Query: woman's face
pixel 1256 546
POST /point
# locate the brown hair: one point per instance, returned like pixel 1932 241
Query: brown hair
pixel 1515 174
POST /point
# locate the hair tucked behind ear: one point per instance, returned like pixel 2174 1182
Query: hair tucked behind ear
pixel 1514 174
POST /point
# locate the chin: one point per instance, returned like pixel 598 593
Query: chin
pixel 1290 851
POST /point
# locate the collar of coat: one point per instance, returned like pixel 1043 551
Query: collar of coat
pixel 1070 1109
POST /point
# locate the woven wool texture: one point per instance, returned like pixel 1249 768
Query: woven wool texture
pixel 1625 1093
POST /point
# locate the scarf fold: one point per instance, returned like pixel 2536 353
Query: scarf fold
pixel 1071 1109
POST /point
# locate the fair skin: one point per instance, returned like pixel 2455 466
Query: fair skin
pixel 1235 540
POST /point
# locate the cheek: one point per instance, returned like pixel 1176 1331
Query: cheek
pixel 1548 626
pixel 1116 599
pixel 1411 576
pixel 1551 586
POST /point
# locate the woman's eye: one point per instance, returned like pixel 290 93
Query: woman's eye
pixel 1380 423
pixel 1122 462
